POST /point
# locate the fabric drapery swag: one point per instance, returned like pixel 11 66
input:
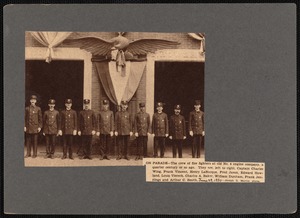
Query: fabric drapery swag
pixel 118 86
pixel 136 73
pixel 103 73
pixel 201 38
pixel 50 40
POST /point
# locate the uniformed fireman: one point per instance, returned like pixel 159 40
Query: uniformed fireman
pixel 105 129
pixel 87 126
pixel 51 126
pixel 196 128
pixel 177 131
pixel 33 125
pixel 123 130
pixel 160 129
pixel 68 128
pixel 142 129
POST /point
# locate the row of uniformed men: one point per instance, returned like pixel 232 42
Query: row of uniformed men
pixel 104 125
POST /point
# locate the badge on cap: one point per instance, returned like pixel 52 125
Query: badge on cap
pixel 86 101
pixel 51 101
pixel 177 107
pixel 68 101
pixel 105 102
pixel 159 104
pixel 124 102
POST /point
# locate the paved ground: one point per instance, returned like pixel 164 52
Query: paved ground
pixel 41 161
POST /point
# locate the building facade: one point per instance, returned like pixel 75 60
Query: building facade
pixel 186 61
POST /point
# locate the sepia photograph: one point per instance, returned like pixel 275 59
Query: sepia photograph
pixel 193 104
pixel 113 98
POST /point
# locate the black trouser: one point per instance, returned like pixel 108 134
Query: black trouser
pixel 142 143
pixel 123 141
pixel 50 143
pixel 177 144
pixel 105 140
pixel 31 141
pixel 68 143
pixel 159 141
pixel 196 145
pixel 86 143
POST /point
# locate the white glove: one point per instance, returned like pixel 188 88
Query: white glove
pixel 167 135
pixel 131 133
pixel 93 132
pixel 39 129
pixel 59 132
pixel 149 133
pixel 203 133
pixel 116 133
pixel 153 134
pixel 191 133
pixel 184 137
pixel 136 134
pixel 44 134
pixel 170 137
pixel 98 133
pixel 75 132
pixel 24 129
pixel 79 133
pixel 111 133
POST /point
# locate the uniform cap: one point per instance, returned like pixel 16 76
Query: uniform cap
pixel 86 101
pixel 33 97
pixel 177 106
pixel 124 102
pixel 68 101
pixel 197 102
pixel 142 104
pixel 51 101
pixel 105 102
pixel 159 104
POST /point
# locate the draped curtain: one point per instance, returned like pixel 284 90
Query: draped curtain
pixel 103 73
pixel 136 73
pixel 116 86
pixel 201 38
pixel 50 40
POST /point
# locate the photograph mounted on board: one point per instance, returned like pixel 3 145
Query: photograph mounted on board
pixel 113 98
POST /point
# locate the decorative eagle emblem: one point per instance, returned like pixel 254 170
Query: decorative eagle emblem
pixel 120 48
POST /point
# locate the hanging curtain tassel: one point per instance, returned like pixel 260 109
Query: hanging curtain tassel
pixel 49 54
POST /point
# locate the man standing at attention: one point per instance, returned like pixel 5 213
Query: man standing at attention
pixel 123 130
pixel 142 129
pixel 51 127
pixel 177 131
pixel 105 129
pixel 196 128
pixel 87 128
pixel 33 125
pixel 68 128
pixel 160 129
